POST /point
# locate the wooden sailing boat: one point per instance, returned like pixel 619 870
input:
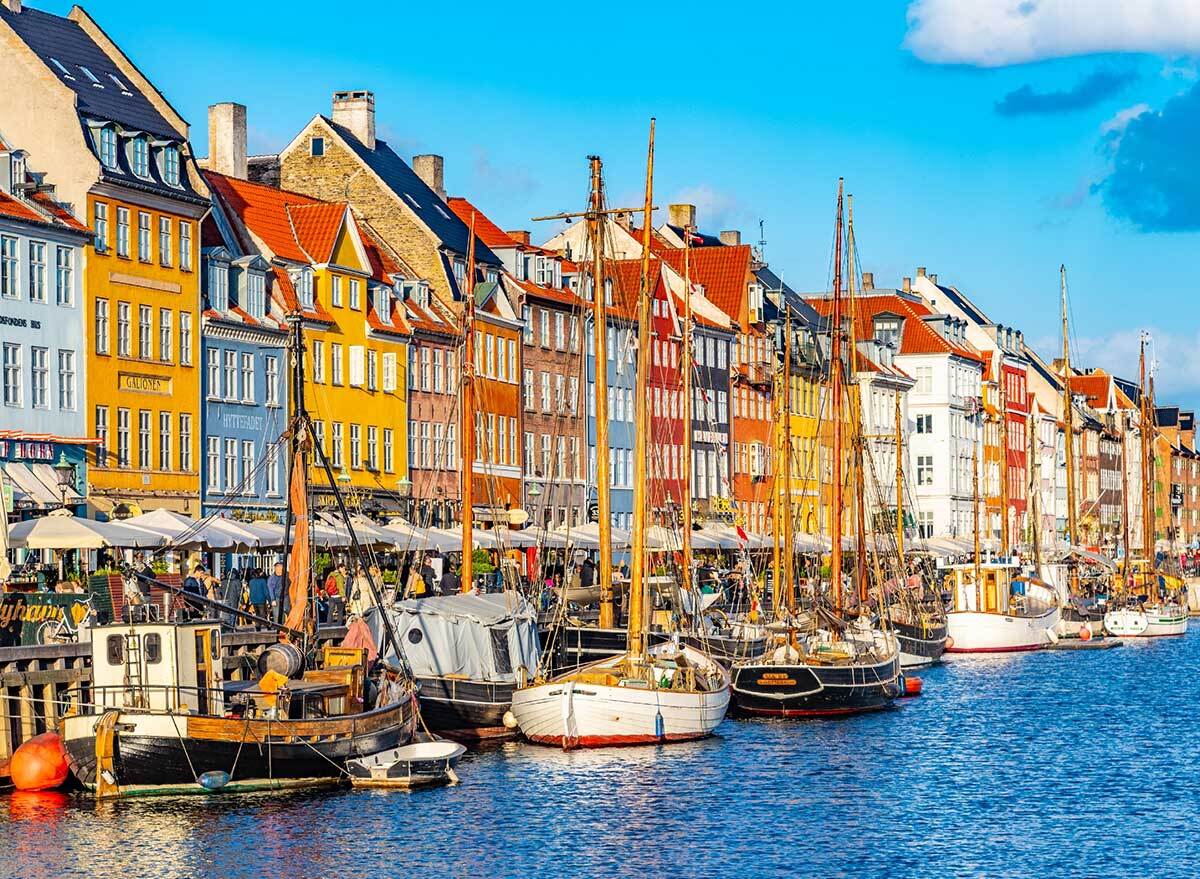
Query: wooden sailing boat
pixel 162 718
pixel 647 694
pixel 825 662
pixel 1149 607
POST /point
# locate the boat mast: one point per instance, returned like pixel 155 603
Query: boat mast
pixel 1147 460
pixel 900 485
pixel 637 578
pixel 600 357
pixel 835 381
pixel 467 417
pixel 1124 511
pixel 686 362
pixel 785 509
pixel 856 393
pixel 1005 540
pixel 1034 466
pixel 975 516
pixel 1068 413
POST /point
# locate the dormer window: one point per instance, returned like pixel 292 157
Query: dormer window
pixel 141 157
pixel 383 303
pixel 608 285
pixel 18 172
pixel 492 276
pixel 62 69
pixel 108 146
pixel 171 165
pixel 887 330
pixel 218 286
pixel 91 77
pixel 460 270
pixel 398 287
pixel 756 302
pixel 305 288
pixel 256 295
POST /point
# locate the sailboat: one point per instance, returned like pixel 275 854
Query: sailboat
pixel 668 692
pixel 1147 607
pixel 823 662
pixel 162 719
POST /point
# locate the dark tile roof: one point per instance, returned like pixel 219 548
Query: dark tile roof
pixel 1166 416
pixel 699 239
pixel 403 181
pixel 965 304
pixel 50 36
pixel 802 311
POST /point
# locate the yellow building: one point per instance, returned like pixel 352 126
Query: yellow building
pixel 350 293
pixel 119 154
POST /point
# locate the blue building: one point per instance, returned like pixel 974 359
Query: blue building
pixel 244 387
pixel 43 421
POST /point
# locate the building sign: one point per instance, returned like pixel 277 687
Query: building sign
pixel 6 321
pixel 28 618
pixel 240 421
pixel 144 384
pixel 26 450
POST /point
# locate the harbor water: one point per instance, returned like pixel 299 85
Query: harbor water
pixel 1060 764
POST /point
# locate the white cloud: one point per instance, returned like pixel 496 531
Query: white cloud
pixel 715 208
pixel 1122 118
pixel 1176 359
pixel 994 33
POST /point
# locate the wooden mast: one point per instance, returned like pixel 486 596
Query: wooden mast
pixel 975 517
pixel 467 416
pixel 595 219
pixel 1147 459
pixel 900 484
pixel 835 381
pixel 686 362
pixel 785 509
pixel 856 393
pixel 1033 465
pixel 637 579
pixel 1124 510
pixel 1005 537
pixel 1068 413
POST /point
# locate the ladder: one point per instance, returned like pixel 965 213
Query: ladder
pixel 135 691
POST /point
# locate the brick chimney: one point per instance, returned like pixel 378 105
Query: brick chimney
pixel 731 237
pixel 868 280
pixel 227 139
pixel 682 215
pixel 521 236
pixel 355 111
pixel 920 271
pixel 933 279
pixel 431 169
pixel 906 285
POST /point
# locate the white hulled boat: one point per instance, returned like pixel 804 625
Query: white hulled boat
pixel 995 610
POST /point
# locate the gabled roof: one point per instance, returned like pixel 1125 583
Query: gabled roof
pixel 1093 387
pixel 40 210
pixel 266 212
pixel 918 337
pixel 552 294
pixel 316 227
pixel 722 271
pixel 409 187
pixel 53 37
pixel 485 230
pixel 968 307
pixel 801 309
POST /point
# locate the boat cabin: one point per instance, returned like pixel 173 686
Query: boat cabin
pixel 999 589
pixel 159 665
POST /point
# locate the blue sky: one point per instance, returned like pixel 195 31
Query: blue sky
pixel 989 140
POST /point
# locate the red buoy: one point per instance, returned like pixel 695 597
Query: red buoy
pixel 40 763
pixel 912 686
pixel 1085 633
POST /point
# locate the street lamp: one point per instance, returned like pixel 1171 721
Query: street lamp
pixel 64 472
pixel 534 491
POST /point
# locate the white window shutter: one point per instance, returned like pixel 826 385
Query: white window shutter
pixel 389 372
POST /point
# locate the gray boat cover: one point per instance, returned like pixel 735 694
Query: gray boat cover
pixel 489 637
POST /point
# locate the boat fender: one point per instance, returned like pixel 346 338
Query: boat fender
pixel 213 780
pixel 39 764
pixel 1085 633
pixel 510 720
pixel 659 726
pixel 949 643
pixel 913 686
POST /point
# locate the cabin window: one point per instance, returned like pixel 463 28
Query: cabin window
pixel 115 649
pixel 415 636
pixel 153 648
pixel 500 651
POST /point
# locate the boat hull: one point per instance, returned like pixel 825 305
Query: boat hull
pixel 802 690
pixel 1155 621
pixel 572 714
pixel 920 646
pixel 159 750
pixel 466 710
pixel 578 646
pixel 975 632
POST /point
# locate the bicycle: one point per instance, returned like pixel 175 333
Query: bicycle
pixel 65 630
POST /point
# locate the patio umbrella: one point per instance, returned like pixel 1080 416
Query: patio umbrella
pixel 61 530
pixel 212 533
pixel 589 535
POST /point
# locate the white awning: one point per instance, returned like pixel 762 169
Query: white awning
pixel 28 488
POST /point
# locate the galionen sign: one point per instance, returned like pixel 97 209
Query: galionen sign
pixel 144 384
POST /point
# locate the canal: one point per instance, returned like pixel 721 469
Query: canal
pixel 1049 764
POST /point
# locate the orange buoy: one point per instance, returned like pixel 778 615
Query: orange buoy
pixel 949 642
pixel 912 686
pixel 1085 633
pixel 39 764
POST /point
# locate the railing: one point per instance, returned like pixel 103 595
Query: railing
pixel 38 685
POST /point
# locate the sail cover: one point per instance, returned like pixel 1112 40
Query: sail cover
pixel 479 637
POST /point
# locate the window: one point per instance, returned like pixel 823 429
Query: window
pixel 511 345
pixel 100 227
pixel 545 392
pixel 355 446
pixel 335 291
pixel 924 470
pixel 123 232
pixel 372 370
pixel 102 435
pixel 355 298
pixel 337 456
pixel 165 333
pixel 335 364
pixel 37 271
pixel 185 246
pixel 12 374
pixel 316 146
pixel 248 466
pixel 924 380
pixel 39 373
pixel 101 326
pixel 123 334
pixel 218 286
pixel 185 442
pixel 213 462
pixel 256 295
pixel 271 471
pixel 141 157
pixel 925 524
pixel 122 437
pixel 164 240
pixel 318 361
pixel 528 389
pixel 66 380
pixel 171 171
pixel 388 460
pixel 924 424
pixel 164 441
pixel 9 267
pixel 271 374
pixel 145 342
pixel 527 320
pixel 247 377
pixel 231 464
pixel 389 372
pixel 143 236
pixel 144 439
pixel 357 365
pixel 573 395
pixel 373 447
pixel 64 276
pixel 306 287
pixel 108 140
pixel 185 338
pixel 544 318
pixel 560 331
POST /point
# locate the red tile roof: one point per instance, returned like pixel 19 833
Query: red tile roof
pixel 264 210
pixel 724 272
pixel 919 337
pixel 485 230
pixel 316 227
pixel 553 294
pixel 59 213
pixel 14 207
pixel 1094 387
